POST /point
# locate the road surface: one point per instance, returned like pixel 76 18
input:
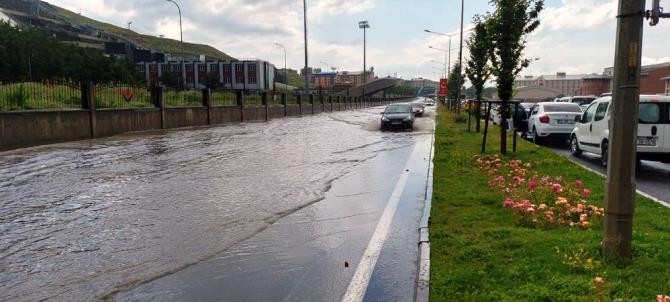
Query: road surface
pixel 318 208
pixel 652 178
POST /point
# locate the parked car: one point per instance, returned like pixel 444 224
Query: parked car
pixel 418 107
pixel 582 101
pixel 430 102
pixel 521 117
pixel 552 120
pixel 398 116
pixel 591 131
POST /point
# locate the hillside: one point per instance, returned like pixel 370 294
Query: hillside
pixel 147 41
pixel 72 27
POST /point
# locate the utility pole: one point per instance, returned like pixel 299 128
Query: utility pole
pixel 181 39
pixel 304 4
pixel 460 63
pixel 364 25
pixel 620 184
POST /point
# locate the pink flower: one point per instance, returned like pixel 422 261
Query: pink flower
pixel 586 193
pixel 662 298
pixel 579 183
pixel 508 203
pixel 526 203
pixel 532 184
pixel 556 188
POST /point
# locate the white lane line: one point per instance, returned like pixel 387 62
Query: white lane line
pixel 359 283
pixel 654 199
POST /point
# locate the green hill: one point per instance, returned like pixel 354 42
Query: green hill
pixel 147 41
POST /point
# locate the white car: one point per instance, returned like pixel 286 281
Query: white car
pixel 583 101
pixel 552 120
pixel 591 132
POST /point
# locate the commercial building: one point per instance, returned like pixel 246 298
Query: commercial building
pixel 651 80
pixel 354 77
pixel 561 82
pixel 595 84
pixel 235 75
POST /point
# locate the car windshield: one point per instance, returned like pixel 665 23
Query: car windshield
pixel 565 107
pixel 398 109
pixel 583 101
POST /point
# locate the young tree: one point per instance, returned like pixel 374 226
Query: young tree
pixel 508 27
pixel 478 68
pixel 453 85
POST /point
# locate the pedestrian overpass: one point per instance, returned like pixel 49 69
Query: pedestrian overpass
pixel 370 88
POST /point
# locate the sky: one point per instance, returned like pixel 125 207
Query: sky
pixel 575 36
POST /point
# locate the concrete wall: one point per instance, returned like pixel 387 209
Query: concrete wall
pixel 36 128
pixel 23 129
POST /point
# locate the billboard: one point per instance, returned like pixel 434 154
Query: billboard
pixel 443 87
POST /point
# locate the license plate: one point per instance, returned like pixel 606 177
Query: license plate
pixel 396 123
pixel 565 122
pixel 646 141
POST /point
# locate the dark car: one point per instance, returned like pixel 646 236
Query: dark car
pixel 522 114
pixel 418 107
pixel 398 116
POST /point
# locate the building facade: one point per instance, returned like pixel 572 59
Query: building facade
pixel 667 84
pixel 565 84
pixel 354 78
pixel 324 79
pixel 651 78
pixel 595 84
pixel 235 75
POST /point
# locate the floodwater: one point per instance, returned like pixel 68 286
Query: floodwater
pixel 87 220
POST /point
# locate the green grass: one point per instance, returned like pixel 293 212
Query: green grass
pixel 35 96
pixel 478 253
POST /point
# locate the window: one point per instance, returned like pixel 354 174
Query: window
pixel 649 113
pixel 589 114
pixel 601 111
pixel 227 77
pixel 536 109
pixel 252 74
pixel 239 73
pixel 561 107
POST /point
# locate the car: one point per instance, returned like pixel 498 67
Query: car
pixel 521 116
pixel 418 107
pixel 591 130
pixel 552 120
pixel 583 101
pixel 430 102
pixel 398 116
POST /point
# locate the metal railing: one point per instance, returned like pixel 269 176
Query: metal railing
pixel 182 98
pixel 20 94
pixel 122 95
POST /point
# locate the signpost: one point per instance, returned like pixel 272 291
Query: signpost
pixel 442 93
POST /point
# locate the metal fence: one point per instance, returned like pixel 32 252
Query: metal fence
pixel 122 95
pixel 253 98
pixel 291 99
pixel 223 97
pixel 19 94
pixel 183 98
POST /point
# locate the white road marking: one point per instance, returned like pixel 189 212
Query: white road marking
pixel 359 283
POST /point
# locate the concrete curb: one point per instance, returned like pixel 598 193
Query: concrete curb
pixel 423 279
pixel 646 195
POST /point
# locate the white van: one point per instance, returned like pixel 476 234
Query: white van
pixel 591 132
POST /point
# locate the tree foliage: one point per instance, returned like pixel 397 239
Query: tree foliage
pixel 478 68
pixel 455 82
pixel 32 54
pixel 508 28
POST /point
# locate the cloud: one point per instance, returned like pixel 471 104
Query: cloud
pixel 580 14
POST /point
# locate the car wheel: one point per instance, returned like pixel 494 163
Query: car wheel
pixel 604 153
pixel 574 146
pixel 536 138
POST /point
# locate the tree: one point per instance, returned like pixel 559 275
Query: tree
pixel 478 68
pixel 453 85
pixel 508 27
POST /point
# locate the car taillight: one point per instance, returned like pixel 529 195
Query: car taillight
pixel 544 119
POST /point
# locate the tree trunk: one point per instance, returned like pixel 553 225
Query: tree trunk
pixel 503 126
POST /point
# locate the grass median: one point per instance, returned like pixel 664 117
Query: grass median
pixel 479 252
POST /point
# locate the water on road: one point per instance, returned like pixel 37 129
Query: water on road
pixel 87 220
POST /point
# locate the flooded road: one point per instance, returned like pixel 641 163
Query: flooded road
pixel 125 218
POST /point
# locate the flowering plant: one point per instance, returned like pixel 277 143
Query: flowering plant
pixel 542 201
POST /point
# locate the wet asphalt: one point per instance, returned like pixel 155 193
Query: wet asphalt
pixel 651 177
pixel 278 211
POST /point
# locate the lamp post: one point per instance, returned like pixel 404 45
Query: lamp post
pixel 460 62
pixel 364 25
pixel 444 69
pixel 129 23
pixel 181 39
pixel 304 5
pixel 285 70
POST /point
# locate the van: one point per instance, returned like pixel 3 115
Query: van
pixel 591 132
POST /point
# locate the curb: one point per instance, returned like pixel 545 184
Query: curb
pixel 423 278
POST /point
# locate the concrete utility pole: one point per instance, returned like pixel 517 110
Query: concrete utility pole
pixel 620 186
pixel 460 63
pixel 304 4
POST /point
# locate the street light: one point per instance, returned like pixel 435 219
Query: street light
pixel 285 70
pixel 447 58
pixel 181 38
pixel 444 69
pixel 304 5
pixel 129 23
pixel 364 25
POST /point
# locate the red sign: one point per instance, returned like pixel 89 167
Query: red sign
pixel 127 95
pixel 443 87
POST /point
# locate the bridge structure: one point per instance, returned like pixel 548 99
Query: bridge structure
pixel 370 88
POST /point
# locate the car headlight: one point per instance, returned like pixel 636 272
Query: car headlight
pixel 407 119
pixel 385 119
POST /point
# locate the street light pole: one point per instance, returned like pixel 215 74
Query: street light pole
pixel 364 25
pixel 181 39
pixel 285 70
pixel 460 62
pixel 304 4
pixel 129 23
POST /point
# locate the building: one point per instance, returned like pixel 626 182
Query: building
pixel 535 94
pixel 651 77
pixel 324 79
pixel 564 83
pixel 235 75
pixel 354 77
pixel 595 84
pixel 667 84
pixel 421 82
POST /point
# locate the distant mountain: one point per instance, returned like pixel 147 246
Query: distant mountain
pixel 74 28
